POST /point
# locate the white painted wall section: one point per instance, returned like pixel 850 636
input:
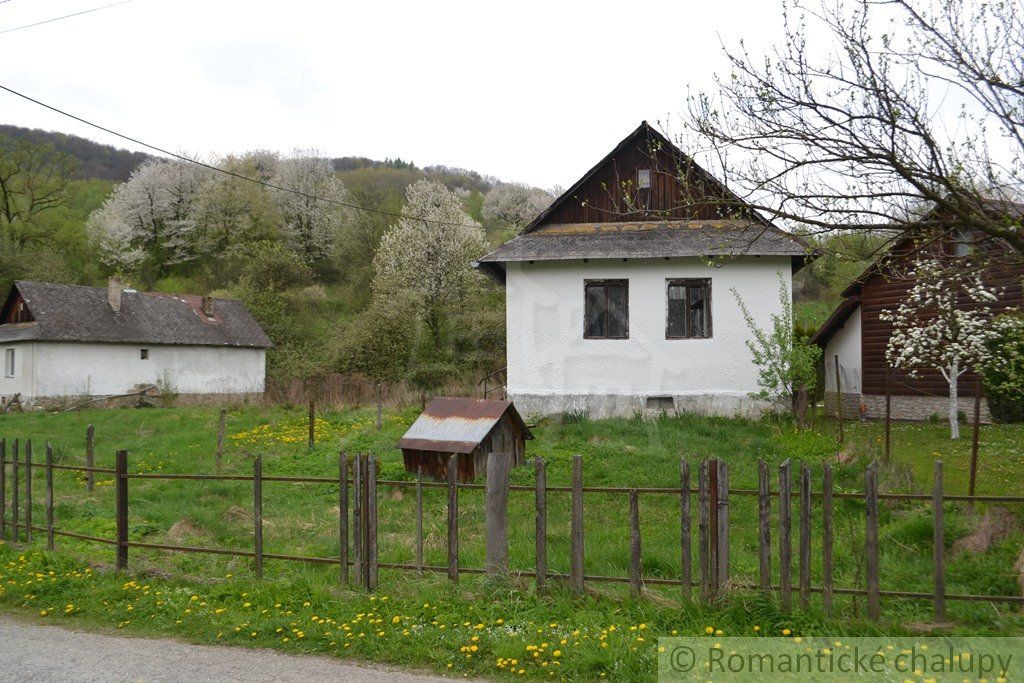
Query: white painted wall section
pixel 548 356
pixel 51 369
pixel 845 343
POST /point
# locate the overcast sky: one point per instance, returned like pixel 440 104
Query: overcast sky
pixel 527 91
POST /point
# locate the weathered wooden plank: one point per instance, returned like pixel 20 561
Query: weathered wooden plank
pixel 685 533
pixel 805 537
pixel 826 539
pixel 541 529
pixel 371 522
pixel 635 571
pixel 704 529
pixel 722 552
pixel 419 519
pixel 3 489
pixel 939 545
pixel 576 546
pixel 221 426
pixel 871 540
pixel 764 520
pixel 785 536
pixel 90 457
pixel 121 506
pixel 453 517
pixel 28 491
pixel 357 517
pixel 15 476
pixel 49 496
pixel 499 467
pixel 343 517
pixel 257 515
pixel 713 527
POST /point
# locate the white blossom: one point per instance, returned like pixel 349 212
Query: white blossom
pixel 514 204
pixel 312 204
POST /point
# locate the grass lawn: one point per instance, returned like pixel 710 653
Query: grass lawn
pixel 210 598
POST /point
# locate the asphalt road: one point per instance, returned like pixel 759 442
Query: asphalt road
pixel 33 652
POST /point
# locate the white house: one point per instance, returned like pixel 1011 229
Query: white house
pixel 71 341
pixel 620 296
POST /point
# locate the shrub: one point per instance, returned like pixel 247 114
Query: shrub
pixel 1003 374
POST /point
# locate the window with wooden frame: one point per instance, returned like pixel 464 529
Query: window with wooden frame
pixel 606 309
pixel 689 309
pixel 8 362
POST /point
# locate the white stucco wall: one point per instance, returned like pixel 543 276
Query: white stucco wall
pixel 551 367
pixel 48 369
pixel 846 344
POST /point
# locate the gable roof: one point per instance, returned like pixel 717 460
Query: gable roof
pixel 82 314
pixel 718 224
pixel 457 425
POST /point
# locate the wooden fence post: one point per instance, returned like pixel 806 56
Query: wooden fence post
pixel 15 475
pixel 121 478
pixel 3 489
pixel 713 527
pixel 28 491
pixel 453 517
pixel 419 519
pixel 371 526
pixel 939 546
pixel 888 412
pixel 635 572
pixel 364 520
pixel 974 438
pixel 496 513
pixel 805 536
pixel 704 530
pixel 257 514
pixel 764 518
pixel 90 457
pixel 343 517
pixel 221 426
pixel 871 540
pixel 839 400
pixel 49 496
pixel 826 538
pixel 722 550
pixel 312 422
pixel 357 517
pixel 576 580
pixel 785 537
pixel 540 496
pixel 685 534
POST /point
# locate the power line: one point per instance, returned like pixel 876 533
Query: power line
pixel 211 167
pixel 66 16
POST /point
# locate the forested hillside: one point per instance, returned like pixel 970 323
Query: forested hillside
pixel 333 255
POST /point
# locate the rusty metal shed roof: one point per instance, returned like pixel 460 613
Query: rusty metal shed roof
pixel 457 425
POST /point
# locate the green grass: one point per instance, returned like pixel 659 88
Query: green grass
pixel 301 519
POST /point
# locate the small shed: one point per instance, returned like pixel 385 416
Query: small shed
pixel 467 427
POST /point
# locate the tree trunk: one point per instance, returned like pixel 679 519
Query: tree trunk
pixel 954 418
pixel 380 404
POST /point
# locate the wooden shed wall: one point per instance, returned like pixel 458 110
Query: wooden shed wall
pixel 506 436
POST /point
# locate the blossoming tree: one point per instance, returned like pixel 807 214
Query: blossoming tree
pixel 944 323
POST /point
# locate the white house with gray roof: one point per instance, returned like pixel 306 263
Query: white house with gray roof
pixel 619 297
pixel 71 341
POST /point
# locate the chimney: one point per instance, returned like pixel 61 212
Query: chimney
pixel 114 291
pixel 207 307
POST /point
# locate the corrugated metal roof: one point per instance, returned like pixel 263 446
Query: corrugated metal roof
pixel 456 425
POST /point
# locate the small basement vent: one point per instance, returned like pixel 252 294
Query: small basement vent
pixel 660 403
pixel 643 179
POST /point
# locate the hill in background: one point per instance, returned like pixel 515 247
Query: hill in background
pixel 103 162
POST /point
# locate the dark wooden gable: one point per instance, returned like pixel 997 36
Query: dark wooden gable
pixel 15 310
pixel 679 188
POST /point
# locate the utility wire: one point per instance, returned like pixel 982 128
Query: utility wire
pixel 66 16
pixel 211 167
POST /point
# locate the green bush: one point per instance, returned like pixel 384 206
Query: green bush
pixel 1003 374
